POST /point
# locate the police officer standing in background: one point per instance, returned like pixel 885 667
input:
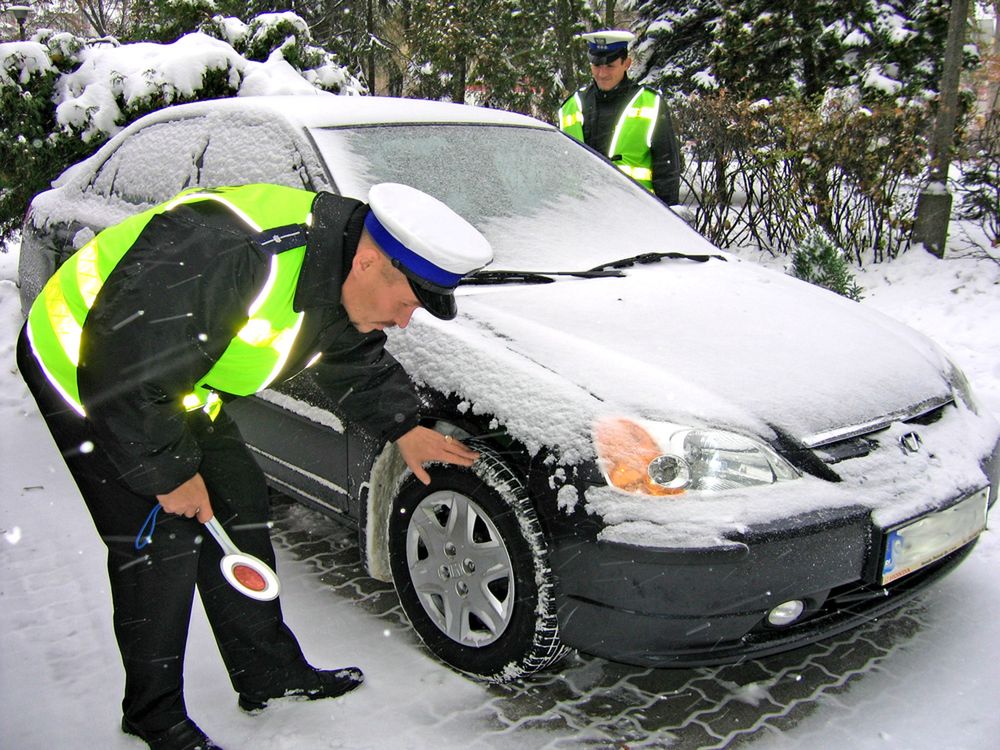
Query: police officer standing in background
pixel 141 336
pixel 628 123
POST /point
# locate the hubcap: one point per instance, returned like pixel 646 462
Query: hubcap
pixel 460 568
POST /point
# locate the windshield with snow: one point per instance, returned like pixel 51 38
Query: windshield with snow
pixel 544 202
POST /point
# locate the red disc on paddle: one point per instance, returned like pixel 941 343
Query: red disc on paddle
pixel 249 577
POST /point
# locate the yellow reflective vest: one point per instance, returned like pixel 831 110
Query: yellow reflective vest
pixel 255 355
pixel 631 143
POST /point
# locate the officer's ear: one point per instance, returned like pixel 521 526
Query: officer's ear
pixel 367 256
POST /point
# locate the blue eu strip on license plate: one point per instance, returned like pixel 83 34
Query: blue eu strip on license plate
pixel 931 537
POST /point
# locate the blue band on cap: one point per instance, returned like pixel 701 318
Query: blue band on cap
pixel 413 262
pixel 609 47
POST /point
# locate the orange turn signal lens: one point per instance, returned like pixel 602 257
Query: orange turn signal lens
pixel 625 451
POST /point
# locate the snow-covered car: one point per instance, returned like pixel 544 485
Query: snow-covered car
pixel 686 458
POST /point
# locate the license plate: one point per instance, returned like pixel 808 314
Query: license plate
pixel 933 536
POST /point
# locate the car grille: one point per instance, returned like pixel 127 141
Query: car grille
pixel 861 441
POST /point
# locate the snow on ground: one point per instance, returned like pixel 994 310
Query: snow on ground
pixel 60 678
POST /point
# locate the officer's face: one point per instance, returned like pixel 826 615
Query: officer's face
pixel 376 295
pixel 610 75
pixel 394 302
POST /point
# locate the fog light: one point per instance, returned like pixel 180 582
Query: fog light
pixel 786 613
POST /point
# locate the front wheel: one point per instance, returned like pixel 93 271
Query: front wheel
pixel 470 565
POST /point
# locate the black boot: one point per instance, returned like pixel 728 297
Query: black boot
pixel 184 735
pixel 324 683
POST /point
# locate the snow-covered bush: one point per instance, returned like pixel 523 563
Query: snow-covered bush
pixel 115 84
pixel 266 33
pixel 34 148
pixel 891 50
pixel 819 261
pixel 63 96
pixel 288 36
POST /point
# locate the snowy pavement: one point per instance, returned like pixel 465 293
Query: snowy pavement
pixel 923 678
pixel 826 695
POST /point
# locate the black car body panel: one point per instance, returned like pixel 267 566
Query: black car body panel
pixel 636 636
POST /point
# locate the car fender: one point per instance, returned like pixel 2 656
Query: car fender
pixel 387 475
pixel 389 471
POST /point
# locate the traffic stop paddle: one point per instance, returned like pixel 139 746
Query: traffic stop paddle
pixel 249 575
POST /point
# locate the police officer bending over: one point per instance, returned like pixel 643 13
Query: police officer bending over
pixel 140 337
pixel 628 123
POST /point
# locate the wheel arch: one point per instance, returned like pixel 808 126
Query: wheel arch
pixel 389 471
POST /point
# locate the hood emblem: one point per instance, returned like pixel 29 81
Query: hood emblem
pixel 910 442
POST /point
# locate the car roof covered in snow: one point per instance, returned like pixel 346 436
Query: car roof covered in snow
pixel 330 110
pixel 322 110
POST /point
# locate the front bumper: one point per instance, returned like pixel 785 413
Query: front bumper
pixel 672 605
pixel 678 608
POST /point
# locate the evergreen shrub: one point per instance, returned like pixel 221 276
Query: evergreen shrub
pixel 33 148
pixel 818 260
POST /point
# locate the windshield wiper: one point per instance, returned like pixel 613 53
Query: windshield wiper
pixel 533 277
pixel 654 258
pixel 612 269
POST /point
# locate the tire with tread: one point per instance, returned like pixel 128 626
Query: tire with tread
pixel 470 565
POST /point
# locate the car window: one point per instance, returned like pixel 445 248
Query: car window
pixel 241 152
pixel 543 201
pixel 154 164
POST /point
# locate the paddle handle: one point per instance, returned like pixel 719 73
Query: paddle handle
pixel 216 530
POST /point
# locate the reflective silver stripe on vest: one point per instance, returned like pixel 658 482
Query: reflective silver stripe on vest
pixel 218 199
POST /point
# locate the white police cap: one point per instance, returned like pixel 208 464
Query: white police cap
pixel 607 44
pixel 431 244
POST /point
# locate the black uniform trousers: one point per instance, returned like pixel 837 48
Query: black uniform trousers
pixel 153 588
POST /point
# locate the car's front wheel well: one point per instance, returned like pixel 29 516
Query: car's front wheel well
pixel 389 471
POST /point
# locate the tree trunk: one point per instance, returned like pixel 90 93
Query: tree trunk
pixel 458 93
pixel 934 204
pixel 370 28
pixel 993 85
pixel 564 32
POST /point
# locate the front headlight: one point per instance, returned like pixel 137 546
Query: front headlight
pixel 961 389
pixel 658 458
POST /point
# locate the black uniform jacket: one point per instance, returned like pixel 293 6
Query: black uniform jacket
pixel 169 309
pixel 601 110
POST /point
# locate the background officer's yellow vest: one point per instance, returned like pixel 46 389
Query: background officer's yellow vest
pixel 254 356
pixel 633 134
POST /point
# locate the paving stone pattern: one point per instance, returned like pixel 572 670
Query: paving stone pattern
pixel 590 703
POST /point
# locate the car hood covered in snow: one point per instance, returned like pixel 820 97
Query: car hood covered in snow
pixel 719 343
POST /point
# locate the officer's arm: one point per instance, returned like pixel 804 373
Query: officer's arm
pixel 666 158
pixel 369 385
pixel 375 393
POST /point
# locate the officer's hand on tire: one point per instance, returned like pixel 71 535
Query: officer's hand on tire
pixel 421 445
